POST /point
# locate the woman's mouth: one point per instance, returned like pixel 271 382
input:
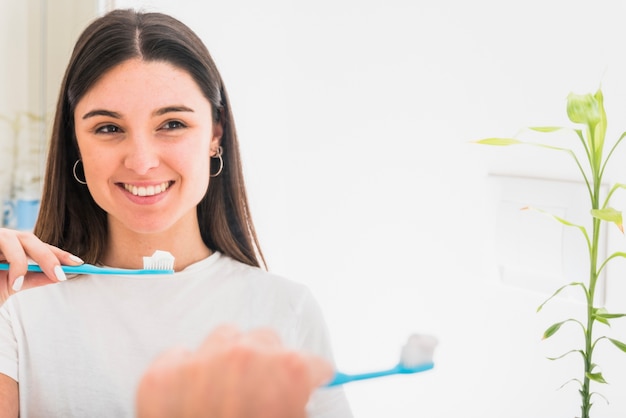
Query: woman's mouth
pixel 150 190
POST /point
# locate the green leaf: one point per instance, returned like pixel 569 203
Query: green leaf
pixel 559 290
pixel 570 381
pixel 596 377
pixel 582 353
pixel 613 189
pixel 615 315
pixel 612 256
pixel 564 222
pixel 609 215
pixel 499 141
pixel 512 141
pixel 561 220
pixel 547 128
pixel 602 320
pixel 618 344
pixel 552 329
pixel 601 315
pixel 602 312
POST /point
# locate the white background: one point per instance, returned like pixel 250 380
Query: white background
pixel 355 119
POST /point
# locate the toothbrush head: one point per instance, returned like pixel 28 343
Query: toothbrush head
pixel 418 350
pixel 160 260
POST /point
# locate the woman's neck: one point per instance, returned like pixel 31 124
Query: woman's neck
pixel 126 249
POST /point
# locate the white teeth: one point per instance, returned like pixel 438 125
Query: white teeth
pixel 147 191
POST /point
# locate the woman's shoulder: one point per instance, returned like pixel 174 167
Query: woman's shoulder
pixel 257 276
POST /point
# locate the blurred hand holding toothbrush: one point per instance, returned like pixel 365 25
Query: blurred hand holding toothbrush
pixel 232 375
pixel 264 379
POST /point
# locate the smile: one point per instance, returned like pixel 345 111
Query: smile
pixel 147 190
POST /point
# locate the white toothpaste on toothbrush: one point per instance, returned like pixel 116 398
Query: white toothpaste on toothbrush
pixel 160 260
pixel 419 349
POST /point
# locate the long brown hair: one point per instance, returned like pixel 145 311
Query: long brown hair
pixel 69 217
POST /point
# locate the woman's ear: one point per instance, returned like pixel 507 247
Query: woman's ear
pixel 216 139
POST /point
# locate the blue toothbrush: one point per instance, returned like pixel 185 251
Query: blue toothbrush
pixel 416 357
pixel 91 269
pixel 342 378
pixel 161 262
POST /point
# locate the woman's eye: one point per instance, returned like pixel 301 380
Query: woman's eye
pixel 108 129
pixel 173 124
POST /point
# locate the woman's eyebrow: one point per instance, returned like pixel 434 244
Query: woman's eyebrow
pixel 102 112
pixel 169 109
pixel 158 112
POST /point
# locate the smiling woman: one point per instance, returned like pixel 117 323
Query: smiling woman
pixel 142 116
pixel 146 126
pixel 97 98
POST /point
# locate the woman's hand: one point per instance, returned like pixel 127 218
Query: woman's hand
pixel 16 248
pixel 231 375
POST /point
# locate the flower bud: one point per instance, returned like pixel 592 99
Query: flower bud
pixel 583 108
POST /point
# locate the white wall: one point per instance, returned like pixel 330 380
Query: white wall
pixel 355 118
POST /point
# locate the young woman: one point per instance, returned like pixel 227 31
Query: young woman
pixel 143 157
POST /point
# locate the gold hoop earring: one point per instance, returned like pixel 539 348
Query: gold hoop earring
pixel 74 172
pixel 218 154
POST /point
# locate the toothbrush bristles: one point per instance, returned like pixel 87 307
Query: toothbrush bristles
pixel 160 260
pixel 419 349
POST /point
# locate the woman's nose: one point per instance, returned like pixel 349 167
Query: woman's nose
pixel 142 154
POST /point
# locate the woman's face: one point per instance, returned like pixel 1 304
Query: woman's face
pixel 145 135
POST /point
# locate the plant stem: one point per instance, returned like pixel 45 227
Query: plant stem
pixel 593 278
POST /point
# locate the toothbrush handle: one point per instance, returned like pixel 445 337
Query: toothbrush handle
pixel 91 269
pixel 31 267
pixel 342 378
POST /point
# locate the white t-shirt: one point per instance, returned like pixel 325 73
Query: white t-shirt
pixel 78 348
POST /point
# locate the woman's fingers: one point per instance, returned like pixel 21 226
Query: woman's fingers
pixel 65 257
pixel 14 254
pixel 10 246
pixel 42 255
pixel 17 247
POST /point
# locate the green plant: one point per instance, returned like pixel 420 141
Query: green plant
pixel 587 111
